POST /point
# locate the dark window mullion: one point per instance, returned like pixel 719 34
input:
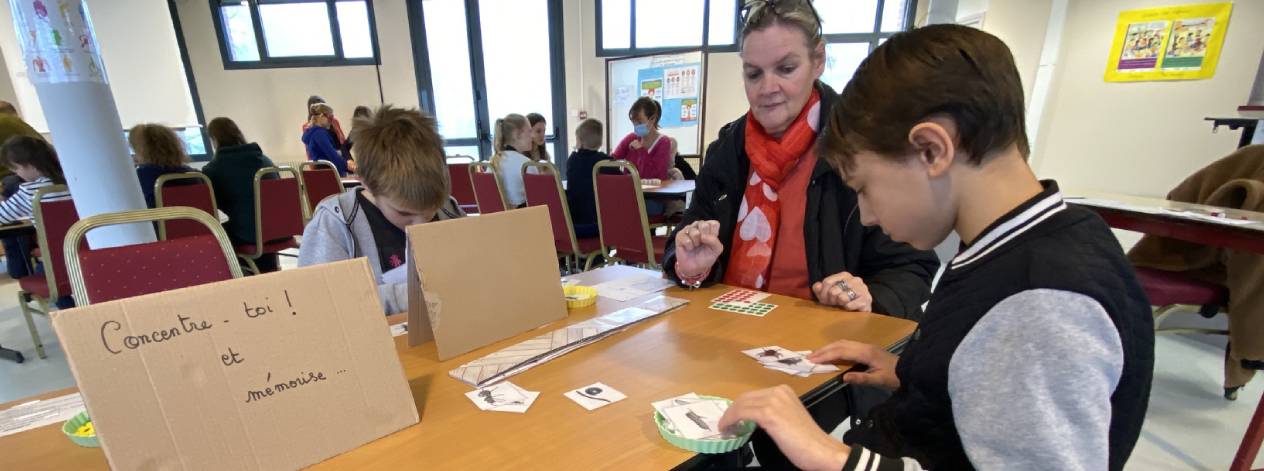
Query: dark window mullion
pixel 632 27
pixel 474 33
pixel 258 24
pixel 335 33
pixel 706 24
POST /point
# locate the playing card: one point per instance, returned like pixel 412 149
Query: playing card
pixel 770 353
pixel 741 297
pixel 503 397
pixel 675 401
pixel 699 420
pixel 750 309
pixel 786 361
pixel 595 396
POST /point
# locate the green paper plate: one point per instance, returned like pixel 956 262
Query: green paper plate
pixel 73 424
pixel 709 447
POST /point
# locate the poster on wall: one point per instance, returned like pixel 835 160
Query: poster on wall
pixel 1168 43
pixel 676 80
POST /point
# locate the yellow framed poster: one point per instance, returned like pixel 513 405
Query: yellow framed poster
pixel 1168 43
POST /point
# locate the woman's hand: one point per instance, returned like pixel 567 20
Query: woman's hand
pixel 880 363
pixel 698 246
pixel 844 290
pixel 780 413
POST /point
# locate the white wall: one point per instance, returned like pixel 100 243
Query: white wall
pixel 268 104
pixel 141 56
pixel 1139 137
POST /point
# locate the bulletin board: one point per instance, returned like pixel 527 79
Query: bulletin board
pixel 677 81
pixel 1168 43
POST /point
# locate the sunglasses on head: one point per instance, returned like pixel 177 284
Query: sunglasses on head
pixel 754 7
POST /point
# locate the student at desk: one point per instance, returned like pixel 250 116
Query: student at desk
pixel 1037 347
pixel 405 177
pixel 768 214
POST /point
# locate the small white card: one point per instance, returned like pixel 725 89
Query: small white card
pixel 696 421
pixel 503 397
pixel 595 396
pixel 399 329
pixel 789 362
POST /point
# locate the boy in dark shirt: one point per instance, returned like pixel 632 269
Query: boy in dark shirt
pixel 579 178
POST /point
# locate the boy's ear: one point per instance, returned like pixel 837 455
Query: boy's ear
pixel 933 145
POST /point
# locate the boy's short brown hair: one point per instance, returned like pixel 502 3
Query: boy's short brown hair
pixel 957 71
pixel 588 134
pixel 399 154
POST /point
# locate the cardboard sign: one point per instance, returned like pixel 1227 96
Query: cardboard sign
pixel 278 371
pixel 478 280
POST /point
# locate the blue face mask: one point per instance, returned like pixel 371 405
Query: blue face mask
pixel 642 130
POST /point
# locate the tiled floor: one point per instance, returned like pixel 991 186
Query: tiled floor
pixel 1189 425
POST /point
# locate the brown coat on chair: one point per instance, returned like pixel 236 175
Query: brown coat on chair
pixel 1236 181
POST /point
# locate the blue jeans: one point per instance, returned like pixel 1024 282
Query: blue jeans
pixel 17 255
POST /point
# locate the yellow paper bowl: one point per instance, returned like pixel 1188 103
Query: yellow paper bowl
pixel 73 425
pixel 579 296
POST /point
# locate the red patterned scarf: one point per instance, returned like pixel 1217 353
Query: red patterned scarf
pixel 760 214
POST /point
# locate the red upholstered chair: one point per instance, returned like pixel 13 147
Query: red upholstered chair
pixel 621 216
pixel 544 188
pixel 194 191
pixel 320 181
pixel 487 192
pixel 100 275
pixel 54 214
pixel 1173 292
pixel 1251 440
pixel 278 215
pixel 462 188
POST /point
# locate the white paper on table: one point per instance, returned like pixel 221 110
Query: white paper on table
pixel 503 397
pixel 698 420
pixel 35 414
pixel 625 289
pixel 399 329
pixel 595 396
pixel 396 275
pixel 1208 217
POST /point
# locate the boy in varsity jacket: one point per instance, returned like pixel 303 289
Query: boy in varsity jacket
pixel 1037 346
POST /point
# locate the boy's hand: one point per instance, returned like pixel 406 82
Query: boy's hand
pixel 844 290
pixel 780 413
pixel 698 246
pixel 880 363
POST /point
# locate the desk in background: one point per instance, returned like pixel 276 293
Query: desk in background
pixel 1236 229
pixel 693 349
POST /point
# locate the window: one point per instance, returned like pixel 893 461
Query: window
pixel 479 60
pixel 294 33
pixel 852 28
pixel 628 27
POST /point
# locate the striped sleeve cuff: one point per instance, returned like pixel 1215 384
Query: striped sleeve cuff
pixel 861 459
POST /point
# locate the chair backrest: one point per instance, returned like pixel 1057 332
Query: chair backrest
pixel 462 187
pixel 53 218
pixel 99 275
pixel 621 218
pixel 487 188
pixel 544 188
pixel 195 191
pixel 320 181
pixel 278 205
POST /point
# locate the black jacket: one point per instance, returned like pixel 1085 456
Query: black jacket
pixel 579 185
pixel 232 174
pixel 898 275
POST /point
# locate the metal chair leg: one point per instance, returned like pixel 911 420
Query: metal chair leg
pixel 23 299
pixel 250 264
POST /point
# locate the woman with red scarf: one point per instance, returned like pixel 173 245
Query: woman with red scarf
pixel 767 214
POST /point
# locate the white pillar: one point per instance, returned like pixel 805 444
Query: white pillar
pixel 62 61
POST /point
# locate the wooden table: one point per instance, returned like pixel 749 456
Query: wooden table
pixel 693 349
pixel 1150 216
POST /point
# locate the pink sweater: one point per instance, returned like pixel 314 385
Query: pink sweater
pixel 652 162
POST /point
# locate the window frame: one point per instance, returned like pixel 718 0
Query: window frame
pixel 337 59
pixel 872 37
pixel 706 46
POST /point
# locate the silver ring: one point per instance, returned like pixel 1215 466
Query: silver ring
pixel 851 294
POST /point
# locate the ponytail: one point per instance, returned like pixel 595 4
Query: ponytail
pixel 504 128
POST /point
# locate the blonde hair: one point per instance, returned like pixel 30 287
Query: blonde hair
pixel 318 109
pixel 505 128
pixel 156 144
pixel 798 14
pixel 399 154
